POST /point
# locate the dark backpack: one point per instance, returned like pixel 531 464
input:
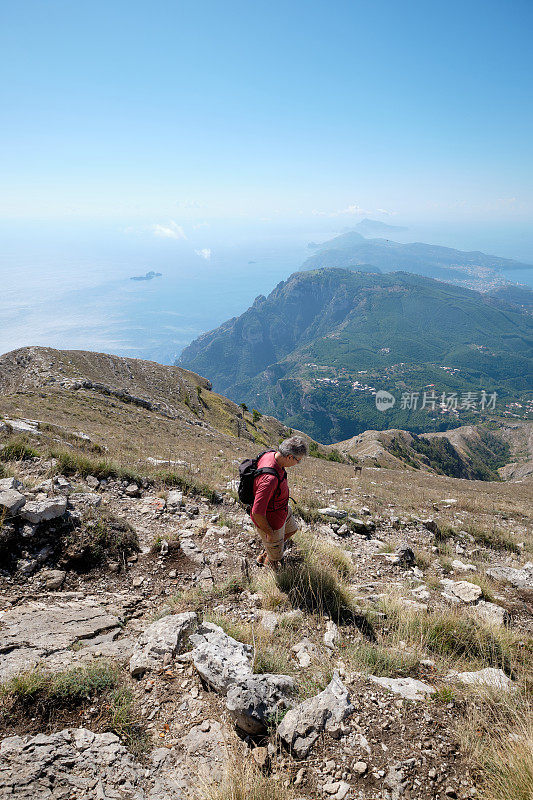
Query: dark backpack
pixel 248 471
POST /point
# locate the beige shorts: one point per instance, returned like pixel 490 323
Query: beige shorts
pixel 275 546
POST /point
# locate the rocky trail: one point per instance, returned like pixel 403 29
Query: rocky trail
pixel 223 665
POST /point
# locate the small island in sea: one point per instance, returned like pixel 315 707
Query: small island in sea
pixel 148 277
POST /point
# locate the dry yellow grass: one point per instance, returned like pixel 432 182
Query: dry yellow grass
pixel 243 780
pixel 496 733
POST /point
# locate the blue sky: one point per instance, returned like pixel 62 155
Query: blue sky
pixel 184 112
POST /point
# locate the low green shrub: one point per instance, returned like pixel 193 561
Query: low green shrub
pixel 99 536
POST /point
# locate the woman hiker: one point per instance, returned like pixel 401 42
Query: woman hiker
pixel 270 511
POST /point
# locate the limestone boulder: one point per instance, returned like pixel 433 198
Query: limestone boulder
pixel 303 724
pixel 165 636
pixel 256 701
pixel 519 578
pixel 409 688
pixel 174 500
pixel 335 513
pixel 36 511
pixel 491 613
pixel 11 501
pixel 488 677
pixel 462 591
pixel 219 659
pixel 36 632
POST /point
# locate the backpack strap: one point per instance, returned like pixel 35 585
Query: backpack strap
pixel 271 471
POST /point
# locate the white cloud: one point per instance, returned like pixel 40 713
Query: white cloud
pixel 388 213
pixel 188 204
pixel 170 231
pixel 204 253
pixel 352 210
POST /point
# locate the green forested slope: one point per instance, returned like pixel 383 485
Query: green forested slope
pixel 297 353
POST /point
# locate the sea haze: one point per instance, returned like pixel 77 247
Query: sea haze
pixel 71 287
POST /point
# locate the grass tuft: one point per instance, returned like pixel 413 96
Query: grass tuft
pixel 37 693
pixel 453 635
pixel 315 581
pixel 377 660
pixel 74 463
pixel 245 781
pixel 494 538
pixel 18 449
pixel 68 687
pixel 497 734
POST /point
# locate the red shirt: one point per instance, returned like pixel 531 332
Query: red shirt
pixel 268 501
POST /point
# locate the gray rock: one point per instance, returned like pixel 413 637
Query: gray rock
pixel 62 484
pixel 9 483
pixel 84 500
pixel 204 750
pixel 302 725
pixel 336 513
pixel 220 660
pixel 491 613
pixel 362 527
pixel 304 652
pixel 162 637
pixel 331 636
pixel 92 482
pixel 269 620
pixel 410 688
pixel 395 781
pixel 79 764
pixel 174 500
pixel 54 578
pixel 459 566
pixel 36 632
pixel 132 490
pixel 12 501
pixel 191 551
pixel 71 763
pixel 205 578
pixel 520 578
pixel 256 700
pixel 490 677
pixel 36 511
pixel 404 555
pixel 462 590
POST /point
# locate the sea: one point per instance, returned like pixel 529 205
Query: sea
pixel 70 286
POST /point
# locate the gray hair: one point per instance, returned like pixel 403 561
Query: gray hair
pixel 293 446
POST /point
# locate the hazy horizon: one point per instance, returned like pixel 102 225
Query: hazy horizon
pixel 191 138
pixel 70 287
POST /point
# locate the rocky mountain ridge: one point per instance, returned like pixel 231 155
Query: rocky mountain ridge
pixel 144 655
